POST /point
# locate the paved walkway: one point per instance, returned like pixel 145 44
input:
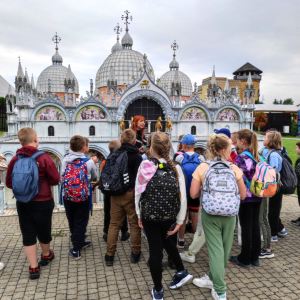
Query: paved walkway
pixel 89 278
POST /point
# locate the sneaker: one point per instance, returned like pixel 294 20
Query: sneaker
pixel 158 295
pixel 109 260
pixel 185 256
pixel 171 264
pixel 46 259
pixel 264 253
pixel 1 265
pixel 134 258
pixel 274 239
pixel 282 233
pixel 180 279
pixel 204 282
pixel 255 263
pixel 180 245
pixel 86 245
pixel 34 273
pixel 296 222
pixel 262 237
pixel 75 254
pixel 105 237
pixel 234 260
pixel 125 236
pixel 216 296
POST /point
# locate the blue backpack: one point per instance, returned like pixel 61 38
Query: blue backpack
pixel 189 164
pixel 25 177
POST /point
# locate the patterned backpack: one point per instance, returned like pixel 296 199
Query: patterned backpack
pixel 160 201
pixel 220 194
pixel 76 186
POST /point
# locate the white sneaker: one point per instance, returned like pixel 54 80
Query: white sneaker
pixel 1 265
pixel 186 257
pixel 215 295
pixel 204 282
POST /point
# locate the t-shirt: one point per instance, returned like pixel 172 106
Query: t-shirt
pixel 102 165
pixel 199 173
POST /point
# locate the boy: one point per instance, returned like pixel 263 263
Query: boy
pixel 125 204
pixel 114 144
pixel 78 173
pixel 233 137
pixel 189 162
pixel 35 216
pixel 297 170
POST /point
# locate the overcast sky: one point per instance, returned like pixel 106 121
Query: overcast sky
pixel 224 33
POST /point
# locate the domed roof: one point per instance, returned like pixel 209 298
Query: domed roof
pixel 186 84
pixel 174 64
pixel 126 63
pixel 127 40
pixel 57 58
pixel 116 47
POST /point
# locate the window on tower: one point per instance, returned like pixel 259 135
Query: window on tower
pixel 193 130
pixel 50 131
pixel 92 130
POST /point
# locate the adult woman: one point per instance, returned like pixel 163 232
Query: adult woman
pixel 138 125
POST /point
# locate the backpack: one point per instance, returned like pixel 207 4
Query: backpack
pixel 220 194
pixel 75 183
pixel 288 177
pixel 25 177
pixel 160 201
pixel 189 164
pixel 264 183
pixel 285 155
pixel 114 180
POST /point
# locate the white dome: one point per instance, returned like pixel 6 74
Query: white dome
pixel 186 84
pixel 126 64
pixel 57 73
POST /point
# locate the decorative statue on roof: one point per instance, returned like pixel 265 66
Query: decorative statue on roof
pixel 122 125
pixel 158 126
pixel 169 126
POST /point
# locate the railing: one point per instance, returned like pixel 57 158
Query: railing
pixel 22 119
pixel 245 77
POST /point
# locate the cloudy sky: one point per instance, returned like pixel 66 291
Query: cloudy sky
pixel 224 33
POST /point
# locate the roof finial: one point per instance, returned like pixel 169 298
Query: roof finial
pixel 126 18
pixel 145 62
pixel 174 46
pixel 19 57
pixel 118 30
pixel 214 67
pixel 56 39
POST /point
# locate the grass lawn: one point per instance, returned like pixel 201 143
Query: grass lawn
pixel 1 132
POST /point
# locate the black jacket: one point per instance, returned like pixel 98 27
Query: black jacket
pixel 140 140
pixel 134 161
pixel 297 171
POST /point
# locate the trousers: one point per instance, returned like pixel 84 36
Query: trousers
pixel 275 204
pixel 264 222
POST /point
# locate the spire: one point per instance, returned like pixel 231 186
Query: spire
pixel 176 76
pixel 227 87
pixel 127 40
pixel 213 78
pixel 10 90
pixel 26 76
pixel 112 73
pixel 174 64
pixel 56 58
pixel 69 73
pixel 32 83
pixel 249 81
pixel 117 46
pixel 20 70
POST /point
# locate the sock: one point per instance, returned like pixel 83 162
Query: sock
pixel 181 240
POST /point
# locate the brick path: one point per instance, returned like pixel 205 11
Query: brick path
pixel 89 278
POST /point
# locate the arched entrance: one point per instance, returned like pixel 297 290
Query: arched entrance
pixel 148 108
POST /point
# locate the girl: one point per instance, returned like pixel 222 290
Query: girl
pixel 158 232
pixel 180 151
pixel 218 229
pixel 138 125
pixel 249 209
pixel 272 141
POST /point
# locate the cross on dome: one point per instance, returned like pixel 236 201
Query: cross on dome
pixel 174 65
pixel 117 46
pixel 126 18
pixel 56 58
pixel 56 39
pixel 127 40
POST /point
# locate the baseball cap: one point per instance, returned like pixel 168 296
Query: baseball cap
pixel 188 139
pixel 223 131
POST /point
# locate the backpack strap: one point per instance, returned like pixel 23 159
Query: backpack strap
pixel 37 154
pixel 249 155
pixel 91 189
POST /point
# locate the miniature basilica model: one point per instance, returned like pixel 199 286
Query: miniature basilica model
pixel 125 86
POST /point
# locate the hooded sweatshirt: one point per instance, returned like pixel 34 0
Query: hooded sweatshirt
pixel 91 168
pixel 47 172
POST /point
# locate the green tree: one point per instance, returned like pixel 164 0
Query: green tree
pixel 288 101
pixel 275 101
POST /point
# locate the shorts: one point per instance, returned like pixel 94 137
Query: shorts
pixel 193 204
pixel 35 218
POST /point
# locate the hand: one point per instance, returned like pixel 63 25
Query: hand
pixel 94 186
pixel 94 159
pixel 175 230
pixel 140 223
pixel 141 150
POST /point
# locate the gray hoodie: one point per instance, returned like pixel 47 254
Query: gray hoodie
pixel 91 168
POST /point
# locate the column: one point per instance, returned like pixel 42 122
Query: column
pixel 149 126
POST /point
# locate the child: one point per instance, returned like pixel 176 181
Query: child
pixel 114 144
pixel 189 161
pixel 272 141
pixel 78 171
pixel 227 132
pixel 179 147
pixel 218 228
pixel 297 170
pixel 124 204
pixel 160 222
pixel 249 209
pixel 35 216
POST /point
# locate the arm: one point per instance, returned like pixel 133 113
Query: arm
pixel 182 213
pixel 196 187
pixel 242 188
pixel 137 195
pixel 9 172
pixel 51 171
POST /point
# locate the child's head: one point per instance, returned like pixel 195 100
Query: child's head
pixel 28 137
pixel 188 143
pixel 128 136
pixel 234 136
pixel 272 140
pixel 179 144
pixel 298 148
pixel 87 143
pixel 248 139
pixel 149 139
pixel 219 145
pixel 78 144
pixel 114 144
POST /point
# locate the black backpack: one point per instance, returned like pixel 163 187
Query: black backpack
pixel 114 180
pixel 288 178
pixel 160 201
pixel 285 155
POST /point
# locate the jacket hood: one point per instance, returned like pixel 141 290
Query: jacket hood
pixel 129 148
pixel 72 156
pixel 27 150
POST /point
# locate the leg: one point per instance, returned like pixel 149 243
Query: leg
pixel 124 228
pixel 274 213
pixel 106 213
pixel 228 235
pixel 198 242
pixel 70 216
pixel 256 241
pixel 117 215
pixel 264 223
pixel 194 205
pixel 194 217
pixel 181 230
pixel 31 253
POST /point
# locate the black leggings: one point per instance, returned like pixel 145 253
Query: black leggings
pixel 156 235
pixel 275 204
